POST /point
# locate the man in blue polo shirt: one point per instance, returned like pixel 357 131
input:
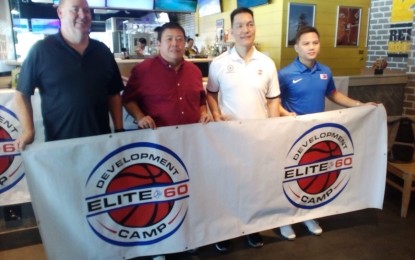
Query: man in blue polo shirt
pixel 304 84
pixel 78 79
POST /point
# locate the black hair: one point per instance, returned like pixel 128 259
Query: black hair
pixel 169 25
pixel 143 41
pixel 303 30
pixel 239 11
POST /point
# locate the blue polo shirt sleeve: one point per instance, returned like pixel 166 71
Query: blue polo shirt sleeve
pixel 331 87
pixel 281 80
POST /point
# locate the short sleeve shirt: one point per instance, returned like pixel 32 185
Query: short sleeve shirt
pixel 170 97
pixel 243 87
pixel 303 90
pixel 74 88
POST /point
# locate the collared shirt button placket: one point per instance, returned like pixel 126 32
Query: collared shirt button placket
pixel 180 99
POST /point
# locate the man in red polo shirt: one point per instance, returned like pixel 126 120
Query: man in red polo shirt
pixel 166 90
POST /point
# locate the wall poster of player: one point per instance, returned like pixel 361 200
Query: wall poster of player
pixel 298 15
pixel 220 33
pixel 348 26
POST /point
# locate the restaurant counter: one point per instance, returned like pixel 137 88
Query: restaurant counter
pixel 388 89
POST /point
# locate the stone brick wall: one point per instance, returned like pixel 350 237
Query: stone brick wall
pixel 379 26
pixel 411 58
pixel 379 31
pixel 409 101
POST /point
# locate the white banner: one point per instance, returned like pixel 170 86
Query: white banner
pixel 13 187
pixel 149 192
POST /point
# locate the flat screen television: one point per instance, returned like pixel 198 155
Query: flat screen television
pixel 131 4
pixel 92 3
pixel 20 25
pixel 208 7
pixel 183 6
pixel 43 1
pixel 45 26
pixel 251 3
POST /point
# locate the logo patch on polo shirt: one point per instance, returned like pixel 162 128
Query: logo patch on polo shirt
pixel 295 81
pixel 323 76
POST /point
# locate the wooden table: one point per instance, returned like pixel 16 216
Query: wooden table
pixel 406 172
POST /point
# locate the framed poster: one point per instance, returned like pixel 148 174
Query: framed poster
pixel 220 27
pixel 348 26
pixel 298 15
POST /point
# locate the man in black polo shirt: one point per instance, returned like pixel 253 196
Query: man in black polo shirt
pixel 78 79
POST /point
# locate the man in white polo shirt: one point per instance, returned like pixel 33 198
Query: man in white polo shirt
pixel 246 78
pixel 247 82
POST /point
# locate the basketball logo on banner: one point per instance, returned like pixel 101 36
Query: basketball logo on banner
pixel 137 195
pixel 11 170
pixel 318 166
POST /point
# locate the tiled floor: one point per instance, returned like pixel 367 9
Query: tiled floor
pixel 365 234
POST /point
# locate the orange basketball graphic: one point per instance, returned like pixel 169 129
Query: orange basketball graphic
pixel 5 161
pixel 319 152
pixel 140 176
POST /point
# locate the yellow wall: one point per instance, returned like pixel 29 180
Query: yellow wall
pixel 271 22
